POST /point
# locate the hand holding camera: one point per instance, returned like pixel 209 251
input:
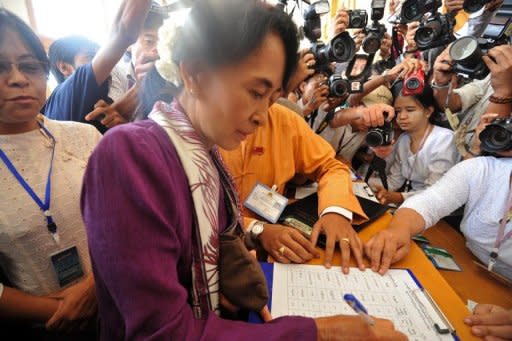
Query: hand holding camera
pixel 412 27
pixel 414 82
pixel 314 95
pixel 341 21
pixel 499 62
pixel 379 117
pixel 443 70
pixel 453 6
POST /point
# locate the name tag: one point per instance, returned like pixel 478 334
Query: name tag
pixel 67 266
pixel 266 202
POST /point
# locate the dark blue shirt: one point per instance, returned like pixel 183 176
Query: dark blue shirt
pixel 74 98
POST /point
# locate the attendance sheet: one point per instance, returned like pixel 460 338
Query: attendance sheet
pixel 314 291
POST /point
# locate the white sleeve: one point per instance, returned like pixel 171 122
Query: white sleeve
pixel 395 177
pixel 471 93
pixel 445 157
pixel 1 290
pixel 446 195
pixel 118 84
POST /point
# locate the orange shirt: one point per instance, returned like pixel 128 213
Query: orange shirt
pixel 286 146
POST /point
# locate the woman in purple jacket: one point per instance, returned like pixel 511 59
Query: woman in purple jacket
pixel 156 196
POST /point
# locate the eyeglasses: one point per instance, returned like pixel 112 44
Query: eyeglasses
pixel 28 68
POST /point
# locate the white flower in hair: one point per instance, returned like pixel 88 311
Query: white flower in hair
pixel 165 66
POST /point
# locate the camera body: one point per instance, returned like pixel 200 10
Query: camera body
pixel 471 6
pixel 374 35
pixel 467 52
pixel 497 136
pixel 380 136
pixel 340 49
pixel 357 18
pixel 414 10
pixel 437 30
pixel 338 87
pixel 414 83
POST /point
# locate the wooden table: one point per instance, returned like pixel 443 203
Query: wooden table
pixel 473 282
pixel 445 296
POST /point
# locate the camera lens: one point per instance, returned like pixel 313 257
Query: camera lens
pixel 472 6
pixel 495 139
pixel 371 44
pixel 342 48
pixel 466 51
pixel 412 83
pixel 374 138
pixel 356 21
pixel 427 34
pixel 338 88
pixel 411 11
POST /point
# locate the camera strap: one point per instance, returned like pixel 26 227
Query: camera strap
pixel 408 180
pixel 453 119
pixel 501 237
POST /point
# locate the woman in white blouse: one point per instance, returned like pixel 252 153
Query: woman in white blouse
pixel 423 153
pixel 484 186
pixel 43 244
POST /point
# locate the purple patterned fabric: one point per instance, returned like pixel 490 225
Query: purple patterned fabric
pixel 137 209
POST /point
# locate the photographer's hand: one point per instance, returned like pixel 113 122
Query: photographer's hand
pixel 358 37
pixel 375 114
pixel 493 5
pixel 340 22
pixel 305 68
pixel 411 33
pixel 454 5
pixel 485 120
pixel 500 64
pixel 315 95
pixel 385 46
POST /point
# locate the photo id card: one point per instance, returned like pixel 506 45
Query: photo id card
pixel 266 202
pixel 67 266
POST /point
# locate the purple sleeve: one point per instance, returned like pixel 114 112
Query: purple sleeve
pixel 135 203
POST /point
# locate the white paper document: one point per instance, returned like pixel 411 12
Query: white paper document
pixel 361 189
pixel 314 291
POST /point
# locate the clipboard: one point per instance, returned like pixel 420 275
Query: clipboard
pixel 421 298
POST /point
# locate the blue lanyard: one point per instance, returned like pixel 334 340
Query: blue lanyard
pixel 44 206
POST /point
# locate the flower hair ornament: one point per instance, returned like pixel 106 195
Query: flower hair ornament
pixel 165 66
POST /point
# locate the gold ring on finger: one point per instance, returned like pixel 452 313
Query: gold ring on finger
pixel 345 240
pixel 281 250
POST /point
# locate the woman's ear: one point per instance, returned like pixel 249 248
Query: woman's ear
pixel 429 111
pixel 190 77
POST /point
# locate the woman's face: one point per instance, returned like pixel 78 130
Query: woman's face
pixel 233 101
pixel 22 93
pixel 410 114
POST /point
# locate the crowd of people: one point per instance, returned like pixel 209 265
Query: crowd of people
pixel 119 189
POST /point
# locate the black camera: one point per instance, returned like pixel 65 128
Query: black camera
pixel 340 49
pixel 472 6
pixel 357 18
pixel 497 136
pixel 375 32
pixel 381 136
pixel 467 52
pixel 414 10
pixel 374 35
pixel 338 87
pixel 437 30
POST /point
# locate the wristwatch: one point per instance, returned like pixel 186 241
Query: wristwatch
pixel 256 229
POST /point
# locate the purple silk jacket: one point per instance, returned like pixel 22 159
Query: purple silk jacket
pixel 137 209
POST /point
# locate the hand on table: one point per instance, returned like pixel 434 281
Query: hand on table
pixel 490 322
pixel 338 229
pixel 287 245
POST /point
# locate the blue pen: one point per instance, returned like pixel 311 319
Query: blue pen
pixel 358 307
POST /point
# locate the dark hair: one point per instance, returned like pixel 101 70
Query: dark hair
pixel 223 32
pixel 9 21
pixel 425 98
pixel 66 49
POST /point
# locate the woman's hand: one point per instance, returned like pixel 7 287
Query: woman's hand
pixel 76 307
pixel 338 229
pixel 387 247
pixel 286 244
pixel 386 197
pixel 491 322
pixel 355 328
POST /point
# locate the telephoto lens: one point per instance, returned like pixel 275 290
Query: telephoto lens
pixel 497 136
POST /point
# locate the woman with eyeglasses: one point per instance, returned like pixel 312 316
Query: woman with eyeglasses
pixel 48 286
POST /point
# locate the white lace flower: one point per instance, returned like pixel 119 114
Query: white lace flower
pixel 165 66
